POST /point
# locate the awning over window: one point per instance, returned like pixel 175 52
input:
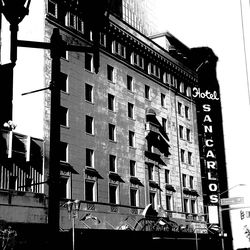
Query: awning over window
pixel 192 192
pixel 115 177
pixel 169 187
pixel 154 157
pixel 92 172
pixel 154 184
pixel 134 180
pixel 66 167
pixel 158 138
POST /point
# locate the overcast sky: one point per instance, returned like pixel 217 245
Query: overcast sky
pixel 219 25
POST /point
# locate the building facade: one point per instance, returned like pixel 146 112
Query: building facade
pixel 129 146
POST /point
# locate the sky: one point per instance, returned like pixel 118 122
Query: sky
pixel 219 24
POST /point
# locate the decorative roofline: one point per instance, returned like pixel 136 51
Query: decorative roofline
pixel 154 50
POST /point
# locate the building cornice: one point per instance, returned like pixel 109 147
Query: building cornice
pixel 146 46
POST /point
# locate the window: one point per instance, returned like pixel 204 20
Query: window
pixel 191 182
pixel 137 60
pixel 152 199
pixel 133 197
pixel 63 151
pixel 115 47
pixel 163 100
pixel 12 182
pixel 186 210
pixel 89 62
pixel 150 146
pixel 190 158
pixel 80 25
pixel 112 163
pixel 52 8
pixel 182 87
pixel 63 116
pixel 88 92
pixel 89 124
pixel 131 138
pixel 187 112
pixel 89 190
pixel 188 133
pixel 179 107
pixel 168 202
pixel 181 131
pixel 112 134
pixel 91 35
pixel 89 157
pixel 164 77
pixel 103 39
pixel 63 186
pixel 132 168
pixel 164 124
pixel 111 102
pixel 130 110
pixel 65 54
pixel 150 172
pixel 188 91
pixel 184 180
pixel 110 73
pixel 130 83
pixel 147 92
pixel 119 49
pixel 71 20
pixel 174 82
pixel 153 70
pixel 193 206
pixel 182 155
pixel 167 176
pixel 63 82
pixel 113 193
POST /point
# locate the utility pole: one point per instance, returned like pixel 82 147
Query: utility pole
pixel 54 159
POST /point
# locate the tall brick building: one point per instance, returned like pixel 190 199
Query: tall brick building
pixel 129 146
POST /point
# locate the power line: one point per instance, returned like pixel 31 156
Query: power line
pixel 244 44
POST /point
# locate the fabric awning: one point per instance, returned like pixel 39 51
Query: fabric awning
pixel 115 177
pixel 134 180
pixel 66 167
pixel 93 172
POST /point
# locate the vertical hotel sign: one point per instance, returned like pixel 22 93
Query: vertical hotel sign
pixel 208 102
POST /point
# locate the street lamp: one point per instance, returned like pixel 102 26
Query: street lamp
pixel 196 239
pixel 14 12
pixel 237 185
pixel 73 208
pixel 220 214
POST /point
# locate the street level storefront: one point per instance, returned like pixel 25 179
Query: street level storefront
pixel 151 232
pixel 100 230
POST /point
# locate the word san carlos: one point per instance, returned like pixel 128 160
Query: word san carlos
pixel 209 154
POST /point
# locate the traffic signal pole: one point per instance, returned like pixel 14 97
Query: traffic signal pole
pixel 54 158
